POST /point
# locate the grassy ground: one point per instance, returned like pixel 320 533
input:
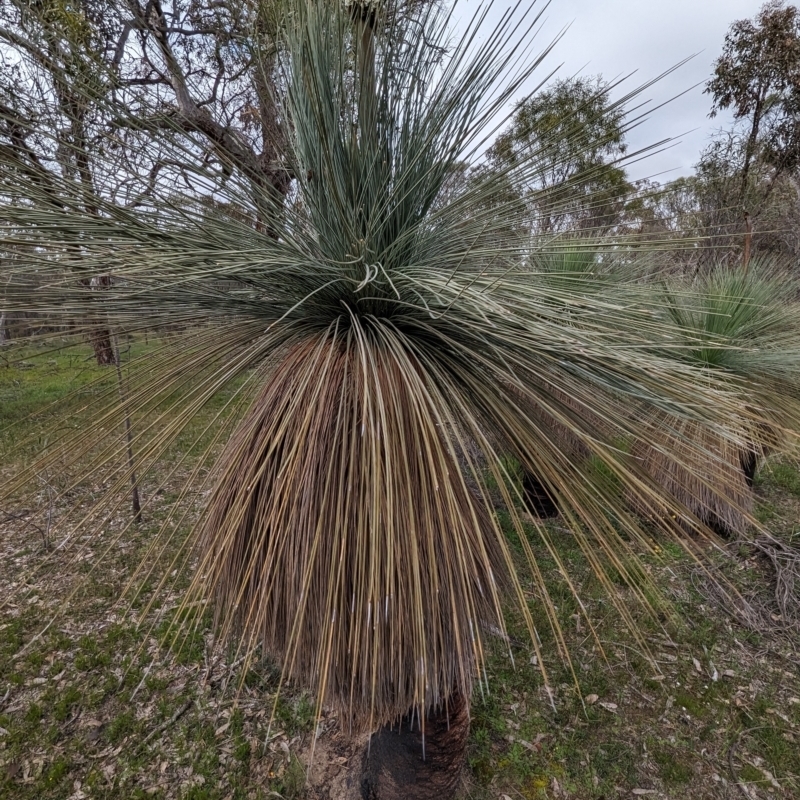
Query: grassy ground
pixel 94 704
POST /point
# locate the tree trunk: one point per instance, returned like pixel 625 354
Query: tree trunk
pixel 100 339
pixel 750 150
pixel 749 461
pixel 748 238
pixel 401 764
pixel 100 335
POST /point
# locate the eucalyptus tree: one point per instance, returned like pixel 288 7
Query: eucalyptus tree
pixel 750 166
pixel 771 198
pixel 386 344
pixel 190 73
pixel 578 135
pixel 48 99
pixel 757 76
pixel 204 70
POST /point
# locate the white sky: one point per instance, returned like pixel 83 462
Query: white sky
pixel 616 37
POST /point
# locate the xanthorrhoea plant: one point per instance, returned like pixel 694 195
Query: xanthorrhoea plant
pixel 385 337
pixel 744 327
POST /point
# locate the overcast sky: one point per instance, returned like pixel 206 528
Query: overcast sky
pixel 616 37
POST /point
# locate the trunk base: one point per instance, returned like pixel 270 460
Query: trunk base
pixel 749 462
pixel 537 499
pixel 401 765
pixel 389 765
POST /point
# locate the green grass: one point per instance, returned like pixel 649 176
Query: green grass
pixel 672 766
pixel 32 378
pixel 782 475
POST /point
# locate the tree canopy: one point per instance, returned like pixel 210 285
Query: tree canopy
pixel 576 135
pixel 758 77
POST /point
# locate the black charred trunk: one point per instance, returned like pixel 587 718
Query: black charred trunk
pixel 749 461
pixel 537 498
pixel 402 764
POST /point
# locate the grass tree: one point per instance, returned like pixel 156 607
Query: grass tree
pixel 740 325
pixel 380 345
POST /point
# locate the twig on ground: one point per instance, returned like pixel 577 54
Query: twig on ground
pixel 781 612
pixel 164 725
pixel 745 792
pixel 20 516
pixel 141 682
pixel 785 562
pixel 135 502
